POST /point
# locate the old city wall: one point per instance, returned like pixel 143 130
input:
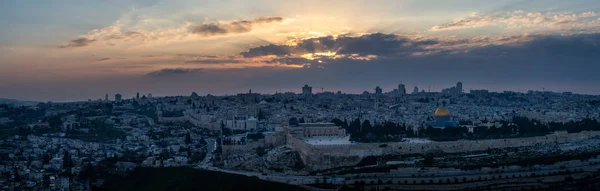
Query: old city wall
pixel 172 119
pixel 229 150
pixel 270 141
pixel 204 124
pixel 329 156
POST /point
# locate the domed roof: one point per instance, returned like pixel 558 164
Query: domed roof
pixel 441 112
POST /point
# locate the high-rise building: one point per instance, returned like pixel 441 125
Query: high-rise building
pixel 378 91
pixel 306 90
pixel 401 89
pixel 416 90
pixel 118 97
pixel 137 96
pixel 454 90
pixel 106 97
pixel 459 88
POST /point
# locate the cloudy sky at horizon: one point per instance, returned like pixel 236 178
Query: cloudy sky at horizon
pixel 66 50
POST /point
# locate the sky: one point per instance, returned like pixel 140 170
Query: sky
pixel 67 50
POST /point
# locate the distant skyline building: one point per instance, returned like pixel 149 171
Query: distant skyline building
pixel 401 89
pixel 416 90
pixel 149 95
pixel 137 96
pixel 306 90
pixel 454 90
pixel 105 97
pixel 249 97
pixel 378 90
pixel 118 97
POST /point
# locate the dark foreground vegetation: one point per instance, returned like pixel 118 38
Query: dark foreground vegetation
pixel 185 178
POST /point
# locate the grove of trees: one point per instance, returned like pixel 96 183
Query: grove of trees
pixel 365 131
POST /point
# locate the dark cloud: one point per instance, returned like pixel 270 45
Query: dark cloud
pixel 380 44
pixel 371 44
pixel 578 46
pixel 242 26
pixel 271 49
pixel 174 71
pixel 208 29
pixel 268 19
pixel 79 42
pixel 395 46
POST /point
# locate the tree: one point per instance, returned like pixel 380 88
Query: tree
pixel 46 159
pixel 24 131
pixel 260 151
pixel 67 161
pixel 188 138
pixel 54 121
pixel 88 173
pixel 17 176
pixel 293 121
pixel 261 115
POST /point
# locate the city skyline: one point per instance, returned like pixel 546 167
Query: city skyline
pixel 299 90
pixel 227 47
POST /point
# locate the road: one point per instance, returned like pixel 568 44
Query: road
pixel 211 146
pixel 288 179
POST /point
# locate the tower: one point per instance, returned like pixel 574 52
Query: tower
pixel 459 88
pixel 401 89
pixel 378 91
pixel 306 90
pixel 117 97
pixel 137 96
pixel 106 97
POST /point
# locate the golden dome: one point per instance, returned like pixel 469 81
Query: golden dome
pixel 441 112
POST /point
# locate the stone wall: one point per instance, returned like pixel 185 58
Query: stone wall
pixel 271 140
pixel 214 126
pixel 173 119
pixel 317 157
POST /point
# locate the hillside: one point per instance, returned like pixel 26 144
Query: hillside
pixel 185 178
